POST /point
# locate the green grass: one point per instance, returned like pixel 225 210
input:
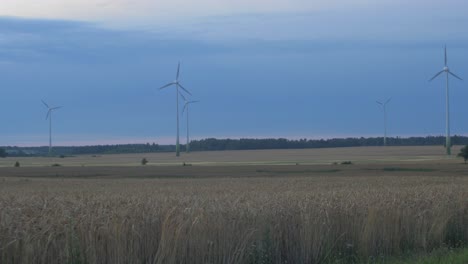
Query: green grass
pixel 408 169
pixel 298 171
pixel 441 256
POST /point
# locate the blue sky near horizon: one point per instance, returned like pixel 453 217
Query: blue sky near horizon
pixel 310 71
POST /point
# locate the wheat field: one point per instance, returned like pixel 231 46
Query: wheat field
pixel 231 214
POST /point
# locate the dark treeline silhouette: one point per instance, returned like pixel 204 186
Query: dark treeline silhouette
pixel 282 143
pixel 3 153
pixel 211 144
pixel 87 150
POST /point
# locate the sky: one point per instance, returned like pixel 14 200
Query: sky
pixel 261 69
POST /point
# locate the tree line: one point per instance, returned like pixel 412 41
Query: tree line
pixel 211 144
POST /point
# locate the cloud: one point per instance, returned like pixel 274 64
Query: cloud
pixel 154 14
pixel 158 10
pixel 40 39
pixel 56 40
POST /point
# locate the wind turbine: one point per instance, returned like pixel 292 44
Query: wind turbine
pixel 186 106
pixel 447 72
pixel 49 116
pixel 384 106
pixel 177 84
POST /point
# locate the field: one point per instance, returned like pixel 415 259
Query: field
pixel 278 206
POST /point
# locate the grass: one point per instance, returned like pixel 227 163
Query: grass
pixel 297 171
pixel 441 256
pixel 408 169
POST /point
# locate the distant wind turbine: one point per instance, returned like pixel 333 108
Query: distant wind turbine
pixel 384 106
pixel 177 85
pixel 186 106
pixel 49 116
pixel 447 101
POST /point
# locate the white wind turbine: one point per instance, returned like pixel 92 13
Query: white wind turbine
pixel 49 116
pixel 384 107
pixel 177 85
pixel 186 106
pixel 447 101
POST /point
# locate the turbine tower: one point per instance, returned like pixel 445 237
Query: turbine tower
pixel 177 85
pixel 447 72
pixel 384 106
pixel 49 116
pixel 186 106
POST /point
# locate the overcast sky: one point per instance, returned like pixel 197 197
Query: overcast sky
pixel 260 68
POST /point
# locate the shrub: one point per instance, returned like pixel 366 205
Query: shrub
pixel 17 164
pixel 144 161
pixel 464 153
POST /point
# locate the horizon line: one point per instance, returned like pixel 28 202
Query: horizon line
pixel 227 138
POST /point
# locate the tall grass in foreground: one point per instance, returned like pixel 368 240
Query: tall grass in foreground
pixel 256 220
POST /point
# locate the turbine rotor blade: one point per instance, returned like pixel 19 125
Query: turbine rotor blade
pixel 178 71
pixel 453 74
pixel 45 104
pixel 183 97
pixel 185 106
pixel 55 108
pixel 379 102
pixel 167 85
pixel 388 100
pixel 48 114
pixel 439 73
pixel 445 55
pixel 192 102
pixel 184 89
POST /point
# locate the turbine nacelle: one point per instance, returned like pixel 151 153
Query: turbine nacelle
pixel 176 82
pixel 187 103
pixel 50 109
pixel 446 69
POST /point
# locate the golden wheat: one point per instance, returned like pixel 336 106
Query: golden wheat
pixel 228 220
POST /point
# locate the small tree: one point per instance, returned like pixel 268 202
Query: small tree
pixel 17 164
pixel 463 153
pixel 144 161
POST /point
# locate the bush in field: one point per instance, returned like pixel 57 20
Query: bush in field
pixel 144 161
pixel 464 153
pixel 17 164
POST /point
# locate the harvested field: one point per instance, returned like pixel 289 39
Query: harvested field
pixel 232 214
pixel 364 155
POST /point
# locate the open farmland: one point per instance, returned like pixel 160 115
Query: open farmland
pixel 326 156
pixel 252 207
